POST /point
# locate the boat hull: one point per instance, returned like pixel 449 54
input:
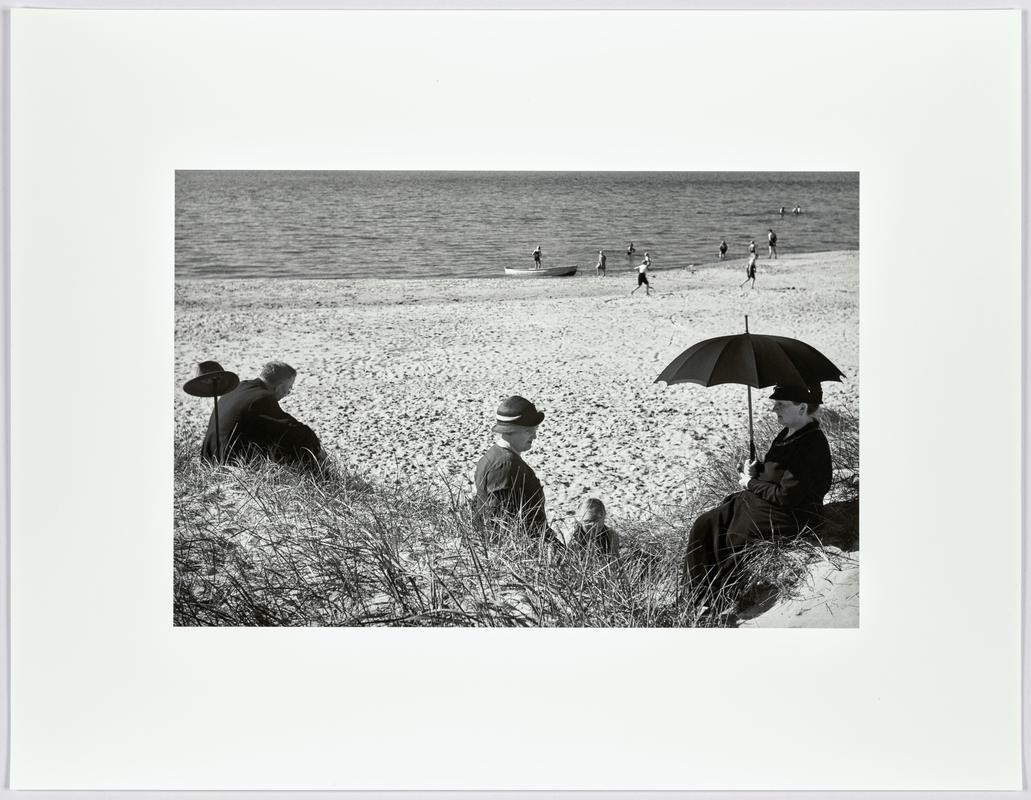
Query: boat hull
pixel 547 272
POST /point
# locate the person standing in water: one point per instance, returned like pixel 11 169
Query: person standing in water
pixel 751 247
pixel 772 237
pixel 600 266
pixel 630 249
pixel 723 249
pixel 782 211
pixel 537 258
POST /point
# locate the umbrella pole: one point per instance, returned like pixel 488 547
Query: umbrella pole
pixel 218 436
pixel 751 436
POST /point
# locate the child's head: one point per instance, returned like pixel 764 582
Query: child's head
pixel 591 511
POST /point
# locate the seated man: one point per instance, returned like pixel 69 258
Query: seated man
pixel 507 489
pixel 250 422
pixel 781 495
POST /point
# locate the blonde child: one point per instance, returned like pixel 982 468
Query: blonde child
pixel 590 529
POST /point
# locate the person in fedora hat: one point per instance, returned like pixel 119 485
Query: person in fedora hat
pixel 780 495
pixel 250 422
pixel 507 489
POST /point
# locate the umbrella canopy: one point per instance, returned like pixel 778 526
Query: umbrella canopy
pixel 753 360
pixel 211 380
pixel 750 359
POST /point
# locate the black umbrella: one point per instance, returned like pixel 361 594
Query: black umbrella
pixel 752 359
pixel 211 381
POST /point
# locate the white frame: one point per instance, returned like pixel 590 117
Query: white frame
pixel 812 646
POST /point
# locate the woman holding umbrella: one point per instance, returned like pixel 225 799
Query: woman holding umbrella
pixel 780 495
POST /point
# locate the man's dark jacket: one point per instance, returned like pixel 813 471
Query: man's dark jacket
pixel 252 423
pixel 508 490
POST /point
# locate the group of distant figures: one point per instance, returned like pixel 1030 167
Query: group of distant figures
pixel 779 495
pixel 600 267
pixel 642 268
pixel 750 267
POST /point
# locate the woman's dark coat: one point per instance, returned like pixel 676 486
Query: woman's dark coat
pixel 786 496
pixel 788 493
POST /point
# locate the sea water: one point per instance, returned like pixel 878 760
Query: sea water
pixel 267 224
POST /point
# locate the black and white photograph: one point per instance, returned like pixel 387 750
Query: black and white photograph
pixel 468 400
pixel 561 399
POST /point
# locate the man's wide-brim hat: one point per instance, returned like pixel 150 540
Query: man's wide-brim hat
pixel 798 394
pixel 211 380
pixel 516 414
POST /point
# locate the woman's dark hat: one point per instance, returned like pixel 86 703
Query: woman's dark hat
pixel 798 394
pixel 516 413
pixel 211 380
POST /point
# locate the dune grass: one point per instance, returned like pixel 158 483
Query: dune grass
pixel 264 545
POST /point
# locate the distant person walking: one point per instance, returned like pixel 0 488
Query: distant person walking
pixel 751 247
pixel 630 249
pixel 782 211
pixel 537 258
pixel 600 266
pixel 642 275
pixel 772 237
pixel 750 271
pixel 723 249
pixel 796 210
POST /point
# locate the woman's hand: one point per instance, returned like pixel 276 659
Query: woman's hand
pixel 746 472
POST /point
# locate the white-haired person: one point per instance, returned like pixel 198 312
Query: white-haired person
pixel 780 495
pixel 508 491
pixel 250 423
pixel 750 270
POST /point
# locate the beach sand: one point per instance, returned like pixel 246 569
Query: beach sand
pixel 829 598
pixel 401 378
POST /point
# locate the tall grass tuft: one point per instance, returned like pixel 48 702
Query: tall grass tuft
pixel 263 545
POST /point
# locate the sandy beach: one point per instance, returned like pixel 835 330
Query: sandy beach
pixel 400 378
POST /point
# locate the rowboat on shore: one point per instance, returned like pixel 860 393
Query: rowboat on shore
pixel 544 272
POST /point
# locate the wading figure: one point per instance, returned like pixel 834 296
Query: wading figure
pixel 772 238
pixel 723 249
pixel 537 258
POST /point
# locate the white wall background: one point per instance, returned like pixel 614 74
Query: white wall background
pixel 106 694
